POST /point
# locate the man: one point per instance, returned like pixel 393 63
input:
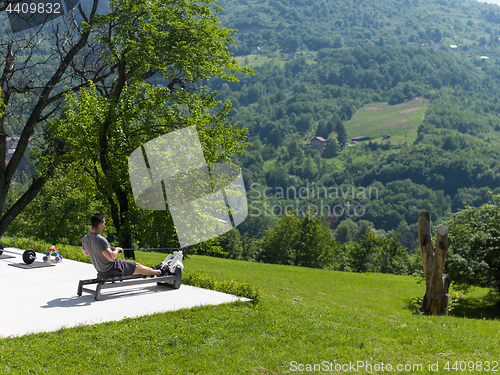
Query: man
pixel 104 259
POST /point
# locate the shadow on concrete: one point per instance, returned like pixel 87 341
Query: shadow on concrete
pixel 87 299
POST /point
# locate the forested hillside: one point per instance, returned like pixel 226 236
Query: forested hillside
pixel 317 63
pixel 289 25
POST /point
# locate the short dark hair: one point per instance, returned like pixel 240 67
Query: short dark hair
pixel 97 219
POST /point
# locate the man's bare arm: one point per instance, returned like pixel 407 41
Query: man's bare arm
pixel 85 252
pixel 111 254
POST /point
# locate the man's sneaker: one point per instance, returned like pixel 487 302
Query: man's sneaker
pixel 158 267
pixel 164 271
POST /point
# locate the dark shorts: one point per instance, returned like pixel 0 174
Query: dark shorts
pixel 121 268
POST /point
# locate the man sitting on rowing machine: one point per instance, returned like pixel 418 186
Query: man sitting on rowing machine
pixel 104 259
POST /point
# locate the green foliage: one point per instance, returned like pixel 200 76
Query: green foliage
pixel 139 108
pixel 373 253
pixel 313 242
pixel 62 210
pixel 474 257
pixel 416 305
pixel 278 243
pixel 231 243
pixel 304 122
pixel 2 105
pixel 343 233
pixel 308 242
pixel 234 287
pixel 168 30
pixel 341 133
pixel 363 228
pixel 332 147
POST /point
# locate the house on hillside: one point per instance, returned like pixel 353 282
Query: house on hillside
pixel 361 139
pixel 318 143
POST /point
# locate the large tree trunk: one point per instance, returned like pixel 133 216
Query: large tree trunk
pixel 119 210
pixel 125 230
pixel 436 282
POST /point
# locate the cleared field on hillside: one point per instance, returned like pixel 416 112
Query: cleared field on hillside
pixel 401 121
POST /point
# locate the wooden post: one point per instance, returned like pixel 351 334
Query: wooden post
pixel 436 282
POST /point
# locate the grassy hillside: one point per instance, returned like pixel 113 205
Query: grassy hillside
pixel 401 121
pixel 308 316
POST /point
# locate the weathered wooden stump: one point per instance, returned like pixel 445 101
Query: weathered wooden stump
pixel 436 282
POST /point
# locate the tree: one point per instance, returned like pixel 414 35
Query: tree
pixel 359 254
pixel 33 82
pixel 332 147
pixel 451 142
pixel 134 42
pixel 60 213
pixel 337 41
pixel 301 242
pixel 324 128
pixel 343 233
pixel 231 244
pixel 363 228
pixel 290 43
pixel 474 257
pixel 341 132
pixel 304 122
pixel 179 44
pixel 437 283
pixel 391 255
pixel 278 243
pixel 294 149
pixel 314 246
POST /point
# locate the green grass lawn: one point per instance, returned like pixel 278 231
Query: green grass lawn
pixel 400 121
pixel 308 316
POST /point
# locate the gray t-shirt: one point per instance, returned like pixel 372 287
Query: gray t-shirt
pixel 95 244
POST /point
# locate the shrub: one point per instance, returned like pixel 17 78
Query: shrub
pixel 237 288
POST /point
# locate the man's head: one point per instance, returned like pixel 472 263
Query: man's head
pixel 96 220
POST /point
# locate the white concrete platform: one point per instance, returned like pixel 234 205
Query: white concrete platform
pixel 45 299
